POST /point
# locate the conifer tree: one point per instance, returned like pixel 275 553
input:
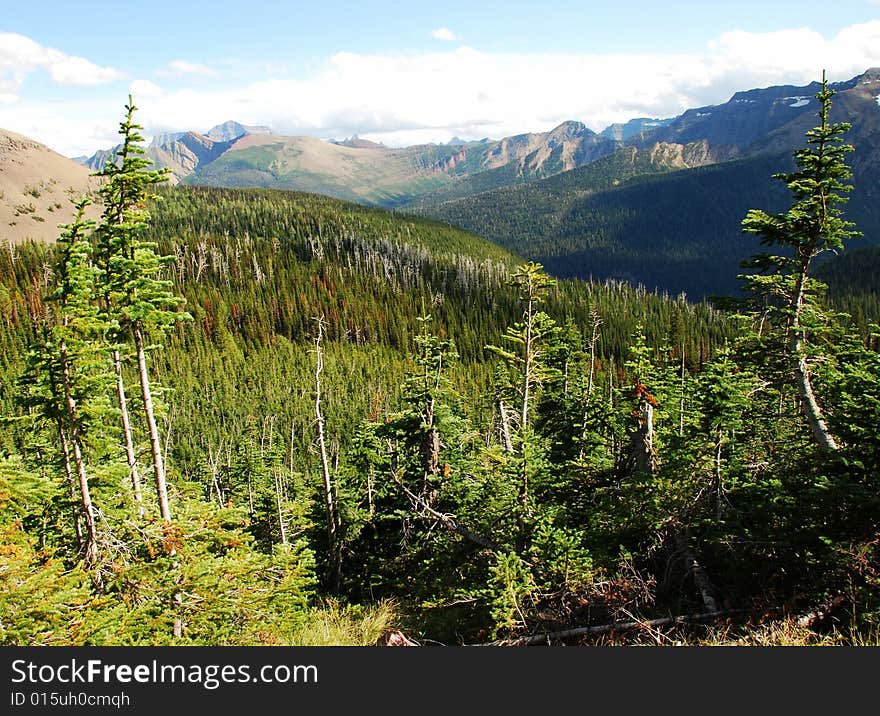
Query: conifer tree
pixel 426 388
pixel 812 225
pixel 135 296
pixel 529 339
pixel 723 391
pixel 68 374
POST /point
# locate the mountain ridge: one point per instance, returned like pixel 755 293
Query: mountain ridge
pixel 670 218
pixel 426 174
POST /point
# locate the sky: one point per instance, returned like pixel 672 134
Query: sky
pixel 406 73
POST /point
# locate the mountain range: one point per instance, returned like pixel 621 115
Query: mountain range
pixel 665 210
pixel 235 155
pixel 752 122
pixel 656 201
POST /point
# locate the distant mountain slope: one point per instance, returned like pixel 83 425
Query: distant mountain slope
pixel 36 188
pixel 371 173
pixel 499 214
pixel 310 164
pixel 236 155
pixel 187 153
pixel 634 128
pixel 181 152
pixel 741 121
pixel 679 230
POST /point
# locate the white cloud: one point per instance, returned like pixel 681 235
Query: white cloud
pixel 144 88
pixel 447 35
pixel 20 56
pixel 472 94
pixel 80 129
pixel 401 99
pixel 179 68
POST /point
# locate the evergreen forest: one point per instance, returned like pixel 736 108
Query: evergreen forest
pixel 258 417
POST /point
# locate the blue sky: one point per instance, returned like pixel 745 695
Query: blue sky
pixel 405 73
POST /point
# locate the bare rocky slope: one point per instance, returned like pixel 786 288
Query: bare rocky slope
pixel 37 188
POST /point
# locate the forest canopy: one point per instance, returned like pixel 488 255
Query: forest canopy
pixel 259 417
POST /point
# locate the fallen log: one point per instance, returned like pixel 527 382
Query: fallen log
pixel 547 637
pixel 819 615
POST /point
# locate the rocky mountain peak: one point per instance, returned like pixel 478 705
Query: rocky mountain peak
pixel 231 129
pixel 568 130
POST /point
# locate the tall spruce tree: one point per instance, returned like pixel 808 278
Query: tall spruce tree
pixel 812 225
pixel 68 374
pixel 135 296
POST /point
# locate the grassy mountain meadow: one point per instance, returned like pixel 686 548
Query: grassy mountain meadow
pixel 244 415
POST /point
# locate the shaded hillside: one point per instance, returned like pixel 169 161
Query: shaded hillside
pixel 530 213
pixel 679 230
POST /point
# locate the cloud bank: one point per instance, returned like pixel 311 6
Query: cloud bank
pixel 402 99
pixel 412 98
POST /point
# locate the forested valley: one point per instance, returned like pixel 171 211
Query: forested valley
pixel 243 416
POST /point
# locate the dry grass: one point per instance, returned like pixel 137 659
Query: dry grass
pixel 784 632
pixel 335 624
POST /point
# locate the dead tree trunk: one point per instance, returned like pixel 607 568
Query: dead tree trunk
pixel 431 455
pixel 681 398
pixel 449 521
pixel 528 358
pixel 215 478
pixel 333 536
pixel 278 505
pixel 88 509
pixel 819 429
pixel 718 486
pixel 505 427
pixel 593 338
pixel 152 428
pixel 696 571
pixel 642 456
pixel 130 455
pixel 71 483
pixel 549 637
